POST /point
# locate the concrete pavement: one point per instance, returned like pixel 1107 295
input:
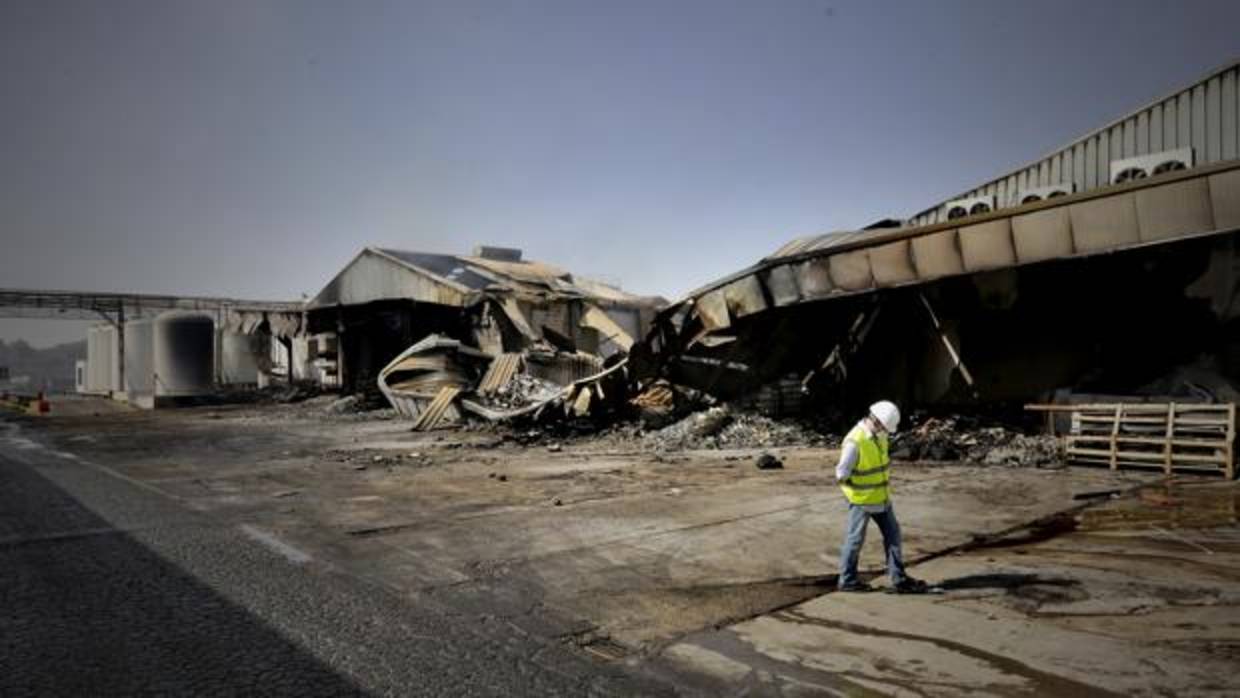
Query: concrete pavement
pixel 112 589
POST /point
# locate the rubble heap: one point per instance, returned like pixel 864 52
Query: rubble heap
pixel 956 439
pixel 520 391
pixel 724 427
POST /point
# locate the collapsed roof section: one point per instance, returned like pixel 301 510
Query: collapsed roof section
pixel 384 300
pixel 1158 211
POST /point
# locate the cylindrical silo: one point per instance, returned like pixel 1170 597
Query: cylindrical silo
pixel 93 361
pixel 111 339
pixel 101 354
pixel 184 354
pixel 240 355
pixel 140 357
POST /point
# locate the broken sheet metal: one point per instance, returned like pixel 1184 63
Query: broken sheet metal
pixel 378 274
pixel 561 368
pixel 584 397
pixel 514 314
pixel 1175 206
pixel 608 329
pixel 413 380
pixel 432 381
pixel 436 412
pixel 502 370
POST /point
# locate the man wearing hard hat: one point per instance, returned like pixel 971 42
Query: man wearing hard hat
pixel 863 474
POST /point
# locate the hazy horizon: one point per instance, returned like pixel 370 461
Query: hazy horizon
pixel 250 149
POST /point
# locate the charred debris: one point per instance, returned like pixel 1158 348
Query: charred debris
pixel 1123 294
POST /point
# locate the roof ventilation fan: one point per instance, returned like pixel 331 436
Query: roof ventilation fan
pixel 1170 166
pixel 1036 194
pixel 972 206
pixel 1128 169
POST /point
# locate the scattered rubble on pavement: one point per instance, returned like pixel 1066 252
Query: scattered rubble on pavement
pixel 721 427
pixel 955 438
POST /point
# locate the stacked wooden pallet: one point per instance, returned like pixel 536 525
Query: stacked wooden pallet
pixel 1168 436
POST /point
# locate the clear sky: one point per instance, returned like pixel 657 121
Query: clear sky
pixel 249 148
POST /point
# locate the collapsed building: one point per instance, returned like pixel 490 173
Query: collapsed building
pixel 444 318
pixel 1103 267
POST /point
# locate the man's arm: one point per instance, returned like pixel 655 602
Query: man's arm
pixel 848 460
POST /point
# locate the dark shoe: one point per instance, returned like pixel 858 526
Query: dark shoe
pixel 856 587
pixel 911 586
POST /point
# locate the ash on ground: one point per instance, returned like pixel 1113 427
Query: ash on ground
pixel 949 439
pixel 723 427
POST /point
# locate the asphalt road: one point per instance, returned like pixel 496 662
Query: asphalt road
pixel 110 588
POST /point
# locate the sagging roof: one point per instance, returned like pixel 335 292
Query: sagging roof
pixel 385 274
pixel 1158 210
pixel 1198 124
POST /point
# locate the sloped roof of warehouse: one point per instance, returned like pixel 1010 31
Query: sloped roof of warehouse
pixel 386 274
pixel 1203 115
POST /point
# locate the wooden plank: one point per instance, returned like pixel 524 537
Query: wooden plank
pixel 1170 433
pixel 1194 469
pixel 1153 457
pixel 1119 413
pixel 1231 440
pixel 1129 407
pixel 1151 440
pixel 1158 421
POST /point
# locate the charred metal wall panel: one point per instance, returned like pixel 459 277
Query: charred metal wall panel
pixel 1204 116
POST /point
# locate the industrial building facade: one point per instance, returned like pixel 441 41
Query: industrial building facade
pixel 1105 266
pixel 1193 126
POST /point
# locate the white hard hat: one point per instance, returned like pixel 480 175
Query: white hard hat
pixel 887 414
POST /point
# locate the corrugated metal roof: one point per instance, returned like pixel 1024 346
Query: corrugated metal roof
pixel 446 266
pixel 823 242
pixel 452 280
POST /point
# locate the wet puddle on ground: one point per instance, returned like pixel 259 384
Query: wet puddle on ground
pixel 1169 505
pixel 1158 509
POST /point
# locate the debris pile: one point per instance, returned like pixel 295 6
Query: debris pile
pixel 522 390
pixel 722 427
pixel 955 439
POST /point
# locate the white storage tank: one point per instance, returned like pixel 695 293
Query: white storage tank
pixel 240 355
pixel 111 338
pixel 91 380
pixel 139 358
pixel 101 353
pixel 184 354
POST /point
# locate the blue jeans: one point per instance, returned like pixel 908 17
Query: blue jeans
pixel 858 518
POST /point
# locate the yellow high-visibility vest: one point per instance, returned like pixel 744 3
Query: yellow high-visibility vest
pixel 868 482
